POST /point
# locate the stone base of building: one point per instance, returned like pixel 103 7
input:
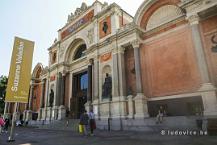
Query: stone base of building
pixel 208 93
pixel 28 115
pixel 61 112
pixel 149 124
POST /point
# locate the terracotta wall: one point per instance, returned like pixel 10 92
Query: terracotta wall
pixel 122 21
pixel 130 71
pixel 169 64
pixel 208 29
pixel 36 98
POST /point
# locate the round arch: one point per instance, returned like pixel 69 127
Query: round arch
pixel 73 48
pixel 37 70
pixel 148 7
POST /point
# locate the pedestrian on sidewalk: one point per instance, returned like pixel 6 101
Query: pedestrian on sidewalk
pixel 2 123
pixel 92 121
pixel 84 122
pixel 7 122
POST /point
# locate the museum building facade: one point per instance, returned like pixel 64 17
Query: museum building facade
pixel 125 67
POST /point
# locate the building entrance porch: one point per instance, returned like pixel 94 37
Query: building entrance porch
pixel 79 94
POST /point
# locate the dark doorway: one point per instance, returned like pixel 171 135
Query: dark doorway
pixel 79 92
pixel 186 106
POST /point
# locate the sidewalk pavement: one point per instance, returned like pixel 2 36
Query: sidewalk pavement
pixel 34 136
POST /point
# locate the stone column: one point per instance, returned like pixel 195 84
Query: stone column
pixel 54 114
pixel 115 75
pixel 45 110
pixel 30 97
pixel 140 99
pixel 62 110
pixel 29 111
pixel 70 90
pixel 58 89
pixel 197 40
pixel 46 93
pixel 122 83
pixel 41 100
pixel 89 89
pixel 96 79
pixel 62 94
pixel 96 87
pixel 207 89
pixel 122 73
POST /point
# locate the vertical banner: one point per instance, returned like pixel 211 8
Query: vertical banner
pixel 20 71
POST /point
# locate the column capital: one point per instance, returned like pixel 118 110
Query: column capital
pixel 91 61
pixel 121 49
pixel 135 43
pixel 64 72
pixel 115 50
pixel 193 19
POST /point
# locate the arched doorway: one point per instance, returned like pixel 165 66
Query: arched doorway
pixel 76 53
pixel 79 95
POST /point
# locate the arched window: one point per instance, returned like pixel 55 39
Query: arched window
pixel 163 15
pixel 80 51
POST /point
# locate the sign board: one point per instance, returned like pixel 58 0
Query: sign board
pixel 87 18
pixel 20 71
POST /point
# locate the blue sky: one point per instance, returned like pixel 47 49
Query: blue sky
pixel 39 20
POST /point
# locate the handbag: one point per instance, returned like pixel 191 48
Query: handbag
pixel 80 127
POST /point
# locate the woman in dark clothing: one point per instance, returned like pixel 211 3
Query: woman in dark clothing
pixel 84 122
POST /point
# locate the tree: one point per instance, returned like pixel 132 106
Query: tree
pixel 3 85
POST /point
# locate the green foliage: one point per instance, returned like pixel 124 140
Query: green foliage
pixel 3 85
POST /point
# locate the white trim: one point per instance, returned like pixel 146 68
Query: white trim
pixel 175 96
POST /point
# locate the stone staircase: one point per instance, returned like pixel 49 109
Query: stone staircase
pixel 147 124
pixel 66 124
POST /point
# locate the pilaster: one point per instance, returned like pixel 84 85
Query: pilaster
pixel 207 89
pixel 140 100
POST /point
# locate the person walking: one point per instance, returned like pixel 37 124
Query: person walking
pixel 2 123
pixel 84 122
pixel 7 122
pixel 92 122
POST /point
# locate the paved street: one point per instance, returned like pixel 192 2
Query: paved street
pixel 33 136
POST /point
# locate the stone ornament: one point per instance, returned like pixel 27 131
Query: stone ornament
pixel 193 19
pixel 107 87
pixel 77 12
pixel 214 42
pixel 51 98
pixel 105 27
pixel 106 57
pixel 90 34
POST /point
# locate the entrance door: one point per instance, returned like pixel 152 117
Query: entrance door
pixel 79 98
